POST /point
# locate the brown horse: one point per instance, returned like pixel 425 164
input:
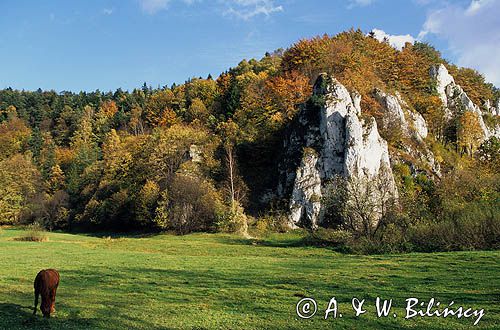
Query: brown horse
pixel 46 283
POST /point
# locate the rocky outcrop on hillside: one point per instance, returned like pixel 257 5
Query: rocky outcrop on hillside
pixel 330 138
pixel 492 110
pixel 397 114
pixel 456 101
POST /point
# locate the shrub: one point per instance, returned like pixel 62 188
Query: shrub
pixel 51 211
pixel 262 225
pixel 34 233
pixel 161 220
pixel 340 240
pixel 476 227
pixel 273 221
pixel 194 205
pixel 233 221
pixel 146 202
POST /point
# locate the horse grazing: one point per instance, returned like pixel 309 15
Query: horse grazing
pixel 46 283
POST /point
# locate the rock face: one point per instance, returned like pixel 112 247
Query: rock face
pixel 306 196
pixel 489 109
pixel 443 80
pixel 455 100
pixel 397 114
pixel 328 139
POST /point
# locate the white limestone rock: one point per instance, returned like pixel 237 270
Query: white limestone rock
pixel 356 100
pixel 397 113
pixel 367 154
pixel 332 126
pixel 393 112
pixel 454 98
pixel 419 125
pixel 329 140
pixel 443 80
pixel 195 154
pixel 491 110
pixel 305 202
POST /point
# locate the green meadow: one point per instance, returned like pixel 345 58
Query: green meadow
pixel 215 281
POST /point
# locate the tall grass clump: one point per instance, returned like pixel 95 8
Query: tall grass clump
pixel 34 233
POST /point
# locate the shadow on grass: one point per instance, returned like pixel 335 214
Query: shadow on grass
pixel 15 316
pixel 292 242
pixel 188 287
pixel 113 235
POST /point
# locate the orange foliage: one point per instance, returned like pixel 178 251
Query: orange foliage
pixel 109 108
pixel 167 118
pixel 285 92
pixel 64 156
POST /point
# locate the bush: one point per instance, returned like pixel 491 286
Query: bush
pixel 161 213
pixel 475 227
pixel 34 233
pixel 194 205
pixel 146 203
pixel 51 211
pixel 233 221
pixel 340 240
pixel 274 221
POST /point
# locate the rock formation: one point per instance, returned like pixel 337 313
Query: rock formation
pixel 330 138
pixel 455 100
pixel 398 114
pixel 492 110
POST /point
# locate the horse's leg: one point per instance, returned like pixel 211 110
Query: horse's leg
pixel 53 300
pixel 36 300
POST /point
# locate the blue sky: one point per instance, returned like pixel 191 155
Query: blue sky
pixel 106 44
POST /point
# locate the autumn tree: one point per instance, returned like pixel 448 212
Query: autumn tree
pixel 235 186
pixel 306 55
pixel 469 133
pixel 117 158
pixel 146 203
pixel 284 94
pixel 14 137
pixel 104 117
pixel 197 111
pixel 136 123
pixel 158 108
pixel 56 179
pixel 205 90
pixel 19 182
pixel 85 148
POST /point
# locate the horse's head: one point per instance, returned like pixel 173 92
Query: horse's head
pixel 47 307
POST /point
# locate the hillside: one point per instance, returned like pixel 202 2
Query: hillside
pixel 258 149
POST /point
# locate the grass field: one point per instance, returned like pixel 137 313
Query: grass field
pixel 207 281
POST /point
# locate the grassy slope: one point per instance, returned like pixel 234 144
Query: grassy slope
pixel 219 281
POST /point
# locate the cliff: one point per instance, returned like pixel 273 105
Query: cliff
pixel 331 138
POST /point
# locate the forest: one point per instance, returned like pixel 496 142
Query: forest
pixel 203 156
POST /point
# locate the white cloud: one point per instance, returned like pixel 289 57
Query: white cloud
pixel 243 9
pixel 359 3
pixel 472 33
pixel 108 11
pixel 153 6
pixel 246 9
pixel 396 41
pixel 362 2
